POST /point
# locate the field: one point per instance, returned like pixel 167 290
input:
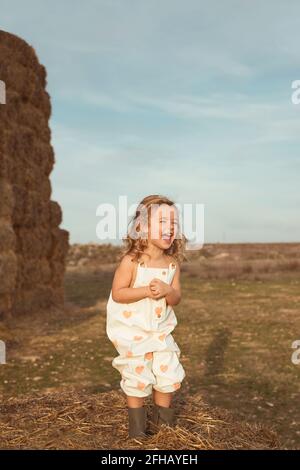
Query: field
pixel 236 323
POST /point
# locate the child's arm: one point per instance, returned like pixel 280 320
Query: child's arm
pixel 174 295
pixel 121 292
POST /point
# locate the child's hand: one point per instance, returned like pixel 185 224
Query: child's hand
pixel 159 288
pixel 149 293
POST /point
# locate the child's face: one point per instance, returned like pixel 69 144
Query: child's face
pixel 163 226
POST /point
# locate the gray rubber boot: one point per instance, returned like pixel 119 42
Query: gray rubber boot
pixel 137 418
pixel 162 415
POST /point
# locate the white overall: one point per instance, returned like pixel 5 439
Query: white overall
pixel 141 333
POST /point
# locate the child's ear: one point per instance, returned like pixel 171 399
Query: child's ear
pixel 143 227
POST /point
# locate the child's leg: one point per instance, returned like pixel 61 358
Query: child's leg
pixel 137 416
pixel 134 402
pixel 137 381
pixel 137 378
pixel 162 399
pixel 169 374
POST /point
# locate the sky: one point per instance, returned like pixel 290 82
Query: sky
pixel 189 99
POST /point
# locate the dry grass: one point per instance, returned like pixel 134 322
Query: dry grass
pixel 235 338
pixel 252 261
pixel 72 420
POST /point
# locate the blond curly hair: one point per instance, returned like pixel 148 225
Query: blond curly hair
pixel 135 246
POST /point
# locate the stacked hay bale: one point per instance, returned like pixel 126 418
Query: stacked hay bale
pixel 32 246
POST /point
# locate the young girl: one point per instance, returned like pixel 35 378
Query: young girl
pixel 140 315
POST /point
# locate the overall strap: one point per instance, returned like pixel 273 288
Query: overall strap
pixel 171 272
pixel 142 264
pixel 138 273
pixel 171 267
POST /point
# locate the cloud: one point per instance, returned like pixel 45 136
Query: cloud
pixel 191 99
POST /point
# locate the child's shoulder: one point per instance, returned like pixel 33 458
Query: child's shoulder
pixel 173 260
pixel 127 261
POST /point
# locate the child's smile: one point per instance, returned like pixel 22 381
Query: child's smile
pixel 167 238
pixel 164 224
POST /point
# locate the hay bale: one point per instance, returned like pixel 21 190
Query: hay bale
pixel 33 271
pixel 55 214
pixel 74 420
pixel 7 236
pixel 58 296
pixel 24 302
pixel 57 273
pixel 8 271
pixel 43 157
pixel 17 213
pixel 60 243
pixel 5 308
pixel 6 198
pixel 22 53
pixel 6 166
pixel 45 272
pixel 32 246
pixel 45 191
pixel 35 242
